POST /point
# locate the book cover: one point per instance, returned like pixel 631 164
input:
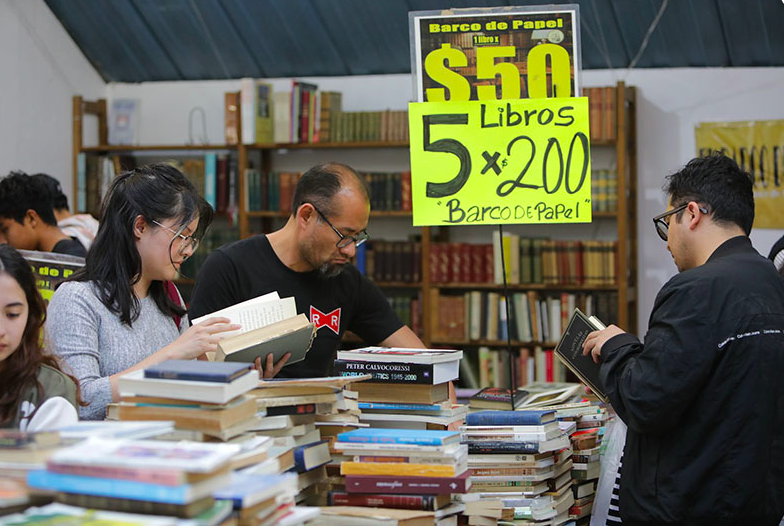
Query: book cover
pixel 293 335
pixel 399 372
pixel 408 484
pixel 310 456
pixel 394 435
pixel 496 398
pixel 195 370
pixel 520 417
pixel 134 383
pixel 411 355
pixel 570 351
pixel 401 469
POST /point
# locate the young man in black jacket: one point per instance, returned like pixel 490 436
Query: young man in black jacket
pixel 703 397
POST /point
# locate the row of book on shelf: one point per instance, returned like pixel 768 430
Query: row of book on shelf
pixel 604 190
pixel 274 190
pixel 304 114
pixel 213 174
pixel 534 316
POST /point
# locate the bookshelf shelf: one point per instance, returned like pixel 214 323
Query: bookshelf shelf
pixel 493 343
pixel 526 287
pixel 99 149
pixel 306 146
pixel 399 285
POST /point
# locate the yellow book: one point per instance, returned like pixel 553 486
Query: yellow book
pixel 399 469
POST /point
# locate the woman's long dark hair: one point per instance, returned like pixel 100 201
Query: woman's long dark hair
pixel 20 369
pixel 155 192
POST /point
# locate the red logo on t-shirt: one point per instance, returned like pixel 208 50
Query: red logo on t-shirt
pixel 331 319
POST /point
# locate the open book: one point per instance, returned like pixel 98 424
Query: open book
pixel 270 324
pixel 570 351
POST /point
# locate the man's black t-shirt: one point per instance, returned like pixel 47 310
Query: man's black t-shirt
pixel 70 246
pixel 249 268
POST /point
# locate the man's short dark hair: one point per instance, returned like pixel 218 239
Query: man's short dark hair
pixel 59 200
pixel 718 182
pixel 320 184
pixel 20 193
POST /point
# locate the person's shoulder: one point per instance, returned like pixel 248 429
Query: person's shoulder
pixel 56 383
pixel 74 289
pixel 240 248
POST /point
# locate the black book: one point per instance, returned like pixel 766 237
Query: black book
pixel 497 398
pixel 570 351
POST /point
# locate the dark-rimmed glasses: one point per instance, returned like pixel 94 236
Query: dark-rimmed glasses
pixel 661 223
pixel 188 242
pixel 345 241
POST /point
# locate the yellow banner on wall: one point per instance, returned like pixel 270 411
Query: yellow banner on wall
pixel 758 147
pixel 503 161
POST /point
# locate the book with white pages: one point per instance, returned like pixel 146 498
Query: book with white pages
pixel 411 355
pixel 255 313
pixel 189 456
pixel 135 383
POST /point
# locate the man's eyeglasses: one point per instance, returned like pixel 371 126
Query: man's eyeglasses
pixel 661 223
pixel 345 241
pixel 188 242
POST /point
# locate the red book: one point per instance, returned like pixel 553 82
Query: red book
pixel 477 263
pixel 489 265
pixel 444 262
pixel 405 182
pixel 548 364
pixel 433 262
pixel 408 484
pixel 466 274
pixel 391 501
pixel 455 262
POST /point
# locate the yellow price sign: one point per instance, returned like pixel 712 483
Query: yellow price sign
pixel 503 161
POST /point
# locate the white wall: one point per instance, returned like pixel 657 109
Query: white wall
pixel 41 69
pixel 670 103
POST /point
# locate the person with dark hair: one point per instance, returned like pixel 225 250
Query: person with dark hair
pixel 83 227
pixel 309 259
pixel 121 312
pixel 35 394
pixel 702 396
pixel 27 218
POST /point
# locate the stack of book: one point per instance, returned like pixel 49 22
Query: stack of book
pixel 409 388
pixel 154 477
pixel 519 462
pixel 294 407
pixel 403 469
pixel 260 499
pixel 204 399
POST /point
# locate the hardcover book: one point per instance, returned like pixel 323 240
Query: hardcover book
pixel 399 372
pixel 570 351
pixel 293 335
pixel 520 417
pixel 497 398
pixel 410 355
pixel 392 435
pixel 195 370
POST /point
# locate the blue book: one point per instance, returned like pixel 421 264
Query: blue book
pixel 210 178
pixel 361 258
pixel 113 488
pixel 246 490
pixel 198 370
pixel 508 417
pixel 310 456
pixel 402 407
pixel 400 436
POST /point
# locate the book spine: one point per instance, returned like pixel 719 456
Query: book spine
pixel 504 418
pixel 397 372
pixel 407 484
pixel 396 469
pixel 204 377
pixel 158 477
pixel 109 487
pixel 392 501
pixel 503 447
pixel 210 178
pixel 390 438
pixel 296 409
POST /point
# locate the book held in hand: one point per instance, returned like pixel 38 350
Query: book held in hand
pixel 496 398
pixel 570 351
pixel 293 335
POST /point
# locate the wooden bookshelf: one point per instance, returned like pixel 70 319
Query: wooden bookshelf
pixel 624 162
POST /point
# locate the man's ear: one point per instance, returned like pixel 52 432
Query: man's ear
pixel 695 215
pixel 305 214
pixel 31 218
pixel 139 226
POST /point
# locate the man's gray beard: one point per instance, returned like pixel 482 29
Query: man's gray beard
pixel 328 270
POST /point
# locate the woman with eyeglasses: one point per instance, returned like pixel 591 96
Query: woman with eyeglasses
pixel 121 312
